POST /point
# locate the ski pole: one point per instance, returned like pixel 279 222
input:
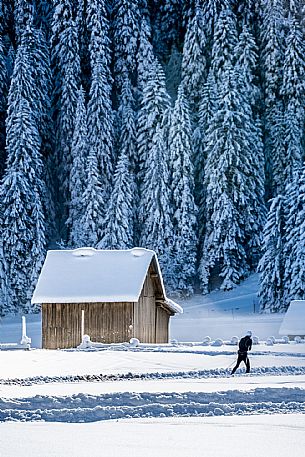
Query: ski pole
pixel 229 366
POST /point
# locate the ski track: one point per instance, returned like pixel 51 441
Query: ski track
pixel 89 408
pixel 198 374
pixel 82 407
pixel 189 351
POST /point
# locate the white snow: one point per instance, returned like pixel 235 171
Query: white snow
pixel 164 400
pixel 88 275
pixel 294 319
pixel 253 436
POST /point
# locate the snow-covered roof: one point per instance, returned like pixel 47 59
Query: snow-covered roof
pixel 88 275
pixel 294 319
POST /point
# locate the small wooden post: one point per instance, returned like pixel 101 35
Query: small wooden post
pixel 83 324
pixel 23 336
pixel 25 340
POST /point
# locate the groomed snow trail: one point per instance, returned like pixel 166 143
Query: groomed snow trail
pixel 71 387
pixel 90 408
pixel 198 374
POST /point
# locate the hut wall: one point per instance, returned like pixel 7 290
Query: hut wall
pixel 162 323
pixel 144 319
pixel 150 320
pixel 104 322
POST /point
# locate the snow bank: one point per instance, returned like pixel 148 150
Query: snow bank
pixel 122 405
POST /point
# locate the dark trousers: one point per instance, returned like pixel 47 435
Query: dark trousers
pixel 242 358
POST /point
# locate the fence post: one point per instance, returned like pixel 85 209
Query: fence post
pixel 83 324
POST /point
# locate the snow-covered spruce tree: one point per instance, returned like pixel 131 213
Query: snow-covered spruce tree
pixel 246 62
pixel 211 10
pixel 194 65
pixel 3 101
pixel 155 102
pixel 276 143
pixel 118 223
pixel 294 247
pixel 157 230
pixel 207 110
pixel 100 126
pixel 4 300
pixel 43 78
pixel 22 218
pixel 287 144
pixel 229 183
pixel 78 172
pixel 184 208
pixel 91 220
pixel 293 216
pixel 23 10
pixel 66 72
pixel 3 76
pixel 127 140
pixel 257 211
pixel 272 48
pixel 145 55
pixel 246 58
pixel 224 44
pixel 272 264
pixel 271 58
pixel 37 88
pixel 293 93
pixel 99 42
pixel 126 18
pixel 34 42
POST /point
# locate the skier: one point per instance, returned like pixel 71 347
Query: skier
pixel 245 345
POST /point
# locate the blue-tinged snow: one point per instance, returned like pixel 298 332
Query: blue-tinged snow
pixel 223 314
pixel 164 399
pixel 294 319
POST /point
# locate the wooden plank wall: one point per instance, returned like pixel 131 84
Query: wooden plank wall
pixel 162 323
pixel 151 321
pixel 144 319
pixel 104 322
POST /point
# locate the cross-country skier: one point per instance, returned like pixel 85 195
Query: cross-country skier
pixel 245 345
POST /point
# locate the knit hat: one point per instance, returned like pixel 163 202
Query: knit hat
pixel 249 333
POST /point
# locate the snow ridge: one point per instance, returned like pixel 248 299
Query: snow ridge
pixel 214 373
pixel 89 408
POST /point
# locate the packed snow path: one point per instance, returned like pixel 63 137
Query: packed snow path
pixel 76 386
pixel 89 408
pixel 202 374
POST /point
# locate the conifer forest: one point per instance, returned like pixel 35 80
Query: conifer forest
pixel 175 125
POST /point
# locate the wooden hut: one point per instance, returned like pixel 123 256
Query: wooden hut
pixel 121 293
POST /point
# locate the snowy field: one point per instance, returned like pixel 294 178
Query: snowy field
pixel 158 400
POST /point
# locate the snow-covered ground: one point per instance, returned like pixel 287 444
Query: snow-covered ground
pixel 224 314
pixel 238 436
pixel 159 400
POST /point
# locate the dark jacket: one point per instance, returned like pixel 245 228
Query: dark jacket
pixel 245 345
